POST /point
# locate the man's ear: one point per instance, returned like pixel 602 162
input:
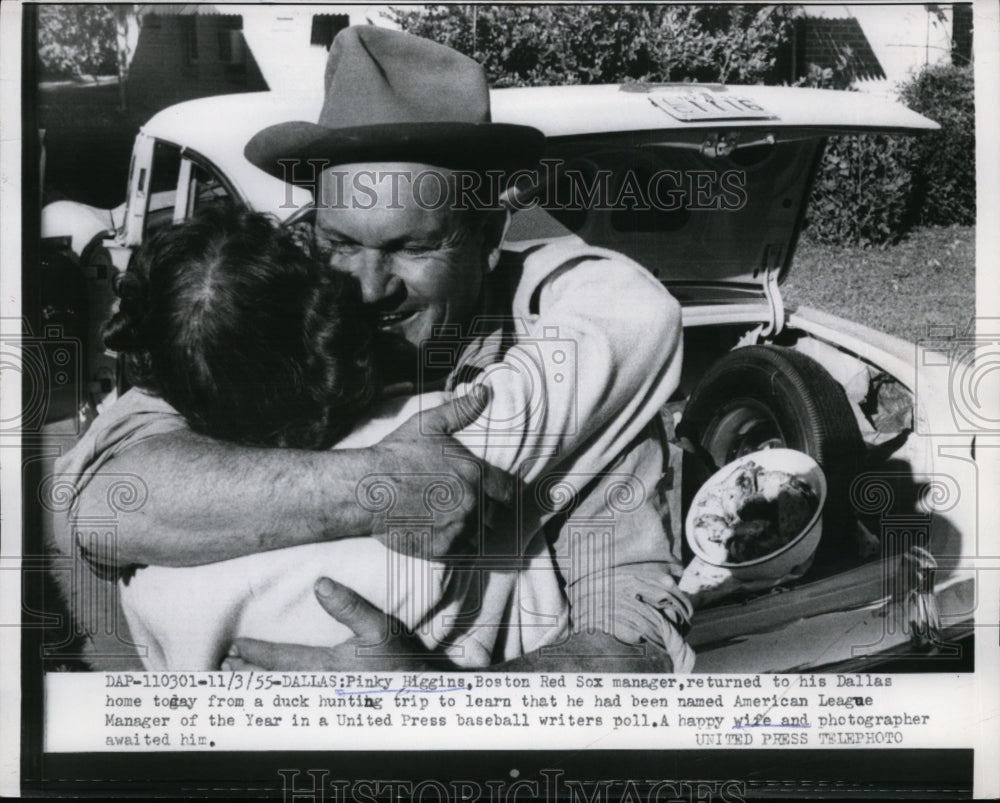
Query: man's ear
pixel 494 232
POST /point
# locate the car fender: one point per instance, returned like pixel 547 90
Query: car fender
pixel 80 222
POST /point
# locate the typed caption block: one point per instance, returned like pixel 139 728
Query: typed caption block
pixel 267 711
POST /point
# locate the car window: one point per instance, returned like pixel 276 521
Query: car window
pixel 179 186
pixel 162 185
pixel 206 188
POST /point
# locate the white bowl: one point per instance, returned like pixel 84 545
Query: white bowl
pixel 796 552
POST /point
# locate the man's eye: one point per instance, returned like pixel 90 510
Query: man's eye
pixel 338 247
pixel 416 250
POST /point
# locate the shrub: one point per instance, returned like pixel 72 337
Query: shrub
pixel 945 169
pixel 870 190
pixel 861 195
pixel 862 191
pixel 525 45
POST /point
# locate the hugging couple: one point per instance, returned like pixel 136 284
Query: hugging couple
pixel 323 491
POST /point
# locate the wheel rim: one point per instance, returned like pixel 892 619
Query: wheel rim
pixel 740 428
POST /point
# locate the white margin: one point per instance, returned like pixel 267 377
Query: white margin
pixel 10 395
pixel 986 44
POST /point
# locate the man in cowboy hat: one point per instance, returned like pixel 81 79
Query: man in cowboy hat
pixel 399 108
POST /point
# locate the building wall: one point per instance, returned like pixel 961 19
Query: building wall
pixel 836 43
pixel 181 57
pixel 961 32
pixel 278 42
pixel 281 39
pixel 902 37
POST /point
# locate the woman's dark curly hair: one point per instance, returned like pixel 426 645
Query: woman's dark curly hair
pixel 247 336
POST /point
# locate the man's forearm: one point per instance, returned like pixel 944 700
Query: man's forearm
pixel 207 501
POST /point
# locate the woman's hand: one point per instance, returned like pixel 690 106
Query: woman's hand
pixel 380 642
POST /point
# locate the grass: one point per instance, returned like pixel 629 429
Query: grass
pixel 928 278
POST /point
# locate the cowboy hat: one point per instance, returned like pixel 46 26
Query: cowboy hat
pixel 395 97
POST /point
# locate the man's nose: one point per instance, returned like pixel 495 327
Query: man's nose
pixel 377 280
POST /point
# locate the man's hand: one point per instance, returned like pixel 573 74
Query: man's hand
pixel 426 475
pixel 379 643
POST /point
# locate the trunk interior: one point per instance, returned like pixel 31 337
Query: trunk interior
pixel 864 562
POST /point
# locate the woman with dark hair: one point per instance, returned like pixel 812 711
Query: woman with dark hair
pixel 251 340
pixel 245 335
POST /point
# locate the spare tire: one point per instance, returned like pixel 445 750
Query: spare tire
pixel 761 397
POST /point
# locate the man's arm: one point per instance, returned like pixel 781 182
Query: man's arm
pixel 598 355
pixel 207 501
pixel 621 333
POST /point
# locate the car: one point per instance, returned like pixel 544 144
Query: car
pixel 707 187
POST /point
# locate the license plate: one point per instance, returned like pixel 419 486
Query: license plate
pixel 694 106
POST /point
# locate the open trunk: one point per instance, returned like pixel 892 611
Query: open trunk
pixel 868 597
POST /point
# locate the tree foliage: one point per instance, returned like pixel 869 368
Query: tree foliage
pixel 75 40
pixel 945 172
pixel 528 45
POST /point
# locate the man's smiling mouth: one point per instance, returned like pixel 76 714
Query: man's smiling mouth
pixel 387 320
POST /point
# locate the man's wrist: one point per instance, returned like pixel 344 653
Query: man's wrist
pixel 355 493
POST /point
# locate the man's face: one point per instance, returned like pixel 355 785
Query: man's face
pixel 419 261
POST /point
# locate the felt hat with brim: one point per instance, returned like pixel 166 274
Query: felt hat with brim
pixel 395 97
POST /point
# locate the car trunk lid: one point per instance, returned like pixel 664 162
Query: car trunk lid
pixel 705 185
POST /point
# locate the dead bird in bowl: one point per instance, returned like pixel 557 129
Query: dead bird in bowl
pixel 754 513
